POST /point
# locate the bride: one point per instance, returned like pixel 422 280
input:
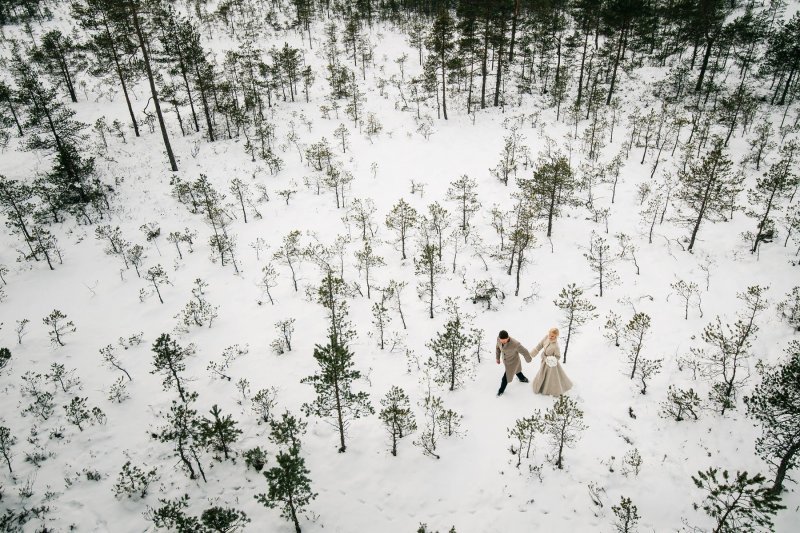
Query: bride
pixel 551 378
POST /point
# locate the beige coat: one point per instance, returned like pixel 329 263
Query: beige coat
pixel 550 380
pixel 510 353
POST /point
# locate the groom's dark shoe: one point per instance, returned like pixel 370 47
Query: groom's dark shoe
pixel 522 378
pixel 500 392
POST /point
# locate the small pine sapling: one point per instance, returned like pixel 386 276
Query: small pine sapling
pixel 263 404
pixel 152 232
pixel 523 433
pixel 632 462
pixel 680 404
pixel 287 430
pixel 563 423
pixel 118 391
pixel 110 358
pixel 218 432
pixel 20 329
pixel 133 482
pixel 633 335
pixel 601 261
pixel 5 357
pixel 77 413
pixel 626 516
pixel 397 416
pixel 576 311
pixel 381 317
pixel 687 292
pixel 647 368
pixel 7 441
pixel 157 276
pixel 169 360
pixel 255 458
pixel 172 515
pixel 789 309
pixel 59 326
pixel 63 378
pixel 223 520
pixel 613 327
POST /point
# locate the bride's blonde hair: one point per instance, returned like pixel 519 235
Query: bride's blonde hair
pixel 553 330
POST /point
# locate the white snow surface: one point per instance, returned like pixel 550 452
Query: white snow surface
pixel 475 486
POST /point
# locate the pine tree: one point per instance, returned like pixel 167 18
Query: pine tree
pixel 577 311
pixel 397 416
pixel 170 361
pixel 381 317
pixel 601 261
pixel 626 516
pixel 111 43
pixel 7 441
pixel 367 260
pixel 707 189
pixel 336 399
pixel 737 503
pixel 16 201
pixel 450 362
pixel 218 432
pixel 131 10
pixel 441 43
pixel 775 403
pixel 401 220
pixel 183 432
pixel 729 349
pixel 687 291
pixel 789 309
pixel 287 430
pixel 157 276
pixel 223 520
pixel 438 422
pixel 427 265
pixel 59 326
pixel 77 413
pixel 562 423
pixel 290 254
pixel 514 152
pixel 9 99
pixel 780 180
pixel 57 54
pixel 171 515
pixel 633 335
pixel 331 295
pixel 680 403
pixel 462 192
pixel 289 487
pixel 551 188
pixel 523 433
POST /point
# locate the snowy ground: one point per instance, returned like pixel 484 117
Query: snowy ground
pixel 475 485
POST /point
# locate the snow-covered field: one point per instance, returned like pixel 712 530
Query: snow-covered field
pixel 475 486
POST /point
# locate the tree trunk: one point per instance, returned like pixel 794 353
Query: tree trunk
pixel 763 221
pixel 499 80
pixel 616 64
pixel 121 77
pixel 513 32
pixel 483 62
pixel 143 46
pixel 704 66
pixel 783 467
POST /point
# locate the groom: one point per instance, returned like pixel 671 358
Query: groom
pixel 510 349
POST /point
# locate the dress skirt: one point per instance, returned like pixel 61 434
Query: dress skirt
pixel 551 380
